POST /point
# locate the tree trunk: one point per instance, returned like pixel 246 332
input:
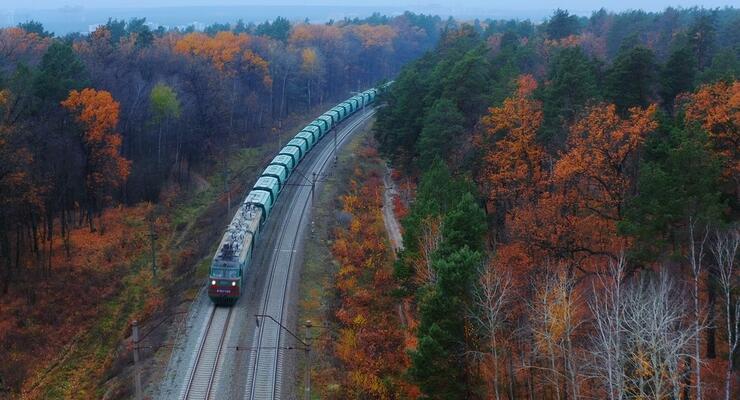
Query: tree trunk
pixel 711 317
pixel 697 337
pixel 51 254
pixel 159 146
pixel 282 96
pixel 512 377
pixel 308 85
pixel 35 235
pixel 5 255
pixel 18 251
pixel 233 107
pixel 732 332
pixel 495 368
pixel 687 379
pixel 530 378
pixel 177 155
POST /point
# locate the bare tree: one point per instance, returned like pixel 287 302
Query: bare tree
pixel 554 324
pixel 607 308
pixel 696 257
pixel 657 338
pixel 490 300
pixel 724 250
pixel 642 341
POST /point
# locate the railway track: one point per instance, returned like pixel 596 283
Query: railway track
pixel 264 379
pixel 203 375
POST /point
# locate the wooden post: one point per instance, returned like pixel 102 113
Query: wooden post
pixel 308 360
pixel 137 369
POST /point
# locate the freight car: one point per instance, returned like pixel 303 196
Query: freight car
pixel 233 257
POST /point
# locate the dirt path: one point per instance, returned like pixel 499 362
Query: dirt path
pixel 392 225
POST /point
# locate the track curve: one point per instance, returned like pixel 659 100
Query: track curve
pixel 264 378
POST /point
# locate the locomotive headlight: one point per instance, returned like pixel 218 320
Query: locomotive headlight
pixel 213 283
pixel 233 283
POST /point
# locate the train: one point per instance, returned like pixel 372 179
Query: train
pixel 234 254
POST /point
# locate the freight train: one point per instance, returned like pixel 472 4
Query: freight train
pixel 232 259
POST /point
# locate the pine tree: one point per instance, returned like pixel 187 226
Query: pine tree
pixel 571 83
pixel 630 80
pixel 678 180
pixel 562 24
pixel 60 71
pixel 438 364
pixel 443 125
pixel 677 76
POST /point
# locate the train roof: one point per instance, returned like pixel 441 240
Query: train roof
pixel 268 183
pixel 307 135
pixel 236 240
pixel 292 151
pixel 282 159
pixel 311 128
pixel 260 199
pixel 277 170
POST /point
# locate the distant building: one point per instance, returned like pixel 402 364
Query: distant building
pixel 154 26
pixel 198 26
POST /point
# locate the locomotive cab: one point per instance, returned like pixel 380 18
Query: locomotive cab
pixel 225 282
pixel 234 253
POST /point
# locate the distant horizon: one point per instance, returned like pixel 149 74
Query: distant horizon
pixel 67 18
pixel 613 5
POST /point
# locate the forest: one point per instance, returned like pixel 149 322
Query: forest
pixel 569 197
pixel 103 136
pixel 573 204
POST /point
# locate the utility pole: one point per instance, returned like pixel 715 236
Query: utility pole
pixel 313 187
pixel 137 367
pixel 308 360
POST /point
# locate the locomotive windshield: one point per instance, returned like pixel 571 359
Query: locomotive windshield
pixel 225 273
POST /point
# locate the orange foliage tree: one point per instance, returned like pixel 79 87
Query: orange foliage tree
pixel 576 221
pixel 229 53
pixel 600 164
pixel 221 50
pixel 375 35
pixel 17 44
pixel 321 36
pixel 514 162
pixel 571 213
pixel 716 108
pixel 105 168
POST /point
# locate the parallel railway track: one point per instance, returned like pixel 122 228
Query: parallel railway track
pixel 264 379
pixel 203 375
pixel 265 368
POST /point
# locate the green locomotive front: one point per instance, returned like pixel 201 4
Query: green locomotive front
pixel 233 256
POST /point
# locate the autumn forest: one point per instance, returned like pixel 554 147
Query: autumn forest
pixel 105 140
pixel 574 228
pixel 569 193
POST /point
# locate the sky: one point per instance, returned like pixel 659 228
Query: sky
pixel 581 5
pixel 66 16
